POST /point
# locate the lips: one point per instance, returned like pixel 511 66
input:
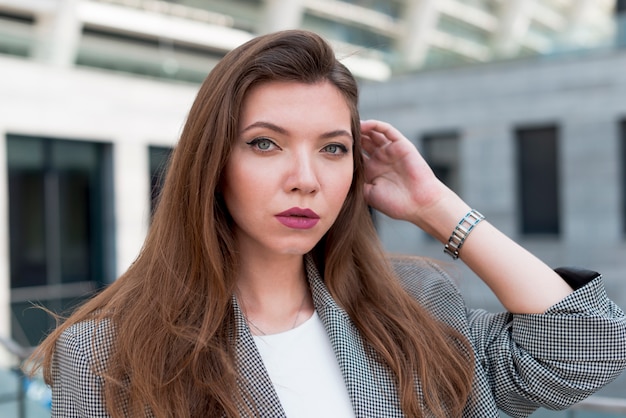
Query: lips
pixel 298 218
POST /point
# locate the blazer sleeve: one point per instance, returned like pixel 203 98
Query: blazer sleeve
pixel 76 388
pixel 554 359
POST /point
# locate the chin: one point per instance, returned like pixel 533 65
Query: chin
pixel 295 251
pixel 298 250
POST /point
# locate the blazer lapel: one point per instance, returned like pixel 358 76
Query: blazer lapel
pixel 254 382
pixel 369 382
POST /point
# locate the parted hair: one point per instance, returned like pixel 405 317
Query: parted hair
pixel 172 310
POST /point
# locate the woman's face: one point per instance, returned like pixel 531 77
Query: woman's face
pixel 290 168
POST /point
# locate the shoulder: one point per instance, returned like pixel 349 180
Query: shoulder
pixel 86 342
pixel 78 364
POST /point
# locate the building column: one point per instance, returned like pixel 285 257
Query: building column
pixel 131 179
pixel 579 11
pixel 281 15
pixel 58 34
pixel 420 21
pixel 577 33
pixel 514 18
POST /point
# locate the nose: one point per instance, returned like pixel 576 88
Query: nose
pixel 302 174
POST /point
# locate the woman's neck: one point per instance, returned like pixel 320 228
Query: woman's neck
pixel 273 294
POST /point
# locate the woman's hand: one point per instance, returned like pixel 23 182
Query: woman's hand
pixel 399 182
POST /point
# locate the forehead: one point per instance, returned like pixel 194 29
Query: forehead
pixel 285 100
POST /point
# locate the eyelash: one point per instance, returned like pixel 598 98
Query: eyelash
pixel 255 142
pixel 342 149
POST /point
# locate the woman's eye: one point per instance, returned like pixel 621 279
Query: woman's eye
pixel 335 149
pixel 262 144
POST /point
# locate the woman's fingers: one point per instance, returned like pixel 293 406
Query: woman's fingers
pixel 380 132
pixel 368 145
pixel 381 135
pixel 372 138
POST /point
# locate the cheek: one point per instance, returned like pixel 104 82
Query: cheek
pixel 245 191
pixel 338 185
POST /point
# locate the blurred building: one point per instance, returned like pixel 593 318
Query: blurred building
pixel 93 94
pixel 181 39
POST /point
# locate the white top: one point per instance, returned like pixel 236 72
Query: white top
pixel 303 368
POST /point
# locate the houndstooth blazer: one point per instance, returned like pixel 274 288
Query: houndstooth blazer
pixel 522 362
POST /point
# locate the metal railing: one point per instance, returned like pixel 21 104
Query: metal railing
pixel 600 404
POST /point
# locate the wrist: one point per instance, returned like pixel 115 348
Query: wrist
pixel 462 230
pixel 439 219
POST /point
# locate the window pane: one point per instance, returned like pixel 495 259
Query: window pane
pixel 441 151
pixel 538 180
pixel 25 153
pixel 75 227
pixel 463 30
pixel 26 228
pixel 58 237
pixel 159 159
pixel 346 33
pixel 392 8
pixel 68 155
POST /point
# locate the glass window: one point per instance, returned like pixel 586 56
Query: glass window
pixel 245 13
pixel 16 32
pixel 441 58
pixel 58 216
pixel 484 5
pixel 441 151
pixel 157 58
pixel 159 159
pixel 537 152
pixel 462 29
pixel 348 33
pixel 390 8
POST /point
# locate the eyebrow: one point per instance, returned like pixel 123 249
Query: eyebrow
pixel 267 125
pixel 283 131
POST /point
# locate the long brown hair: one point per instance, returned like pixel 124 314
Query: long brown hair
pixel 172 310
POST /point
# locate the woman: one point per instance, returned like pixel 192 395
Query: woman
pixel 262 289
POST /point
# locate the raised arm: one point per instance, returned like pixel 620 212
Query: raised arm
pixel 402 185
